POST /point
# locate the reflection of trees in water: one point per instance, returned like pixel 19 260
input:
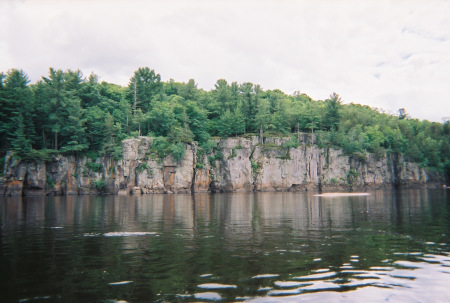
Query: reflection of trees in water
pixel 238 214
pixel 231 235
pixel 245 217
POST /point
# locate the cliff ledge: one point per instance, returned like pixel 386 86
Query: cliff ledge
pixel 237 164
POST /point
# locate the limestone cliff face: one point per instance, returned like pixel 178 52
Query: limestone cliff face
pixel 139 173
pixel 237 164
pixel 232 171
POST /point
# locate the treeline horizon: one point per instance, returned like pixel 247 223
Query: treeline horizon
pixel 66 112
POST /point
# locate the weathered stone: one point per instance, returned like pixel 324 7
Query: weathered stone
pixel 14 188
pixel 34 184
pixel 3 186
pixel 136 190
pixel 237 164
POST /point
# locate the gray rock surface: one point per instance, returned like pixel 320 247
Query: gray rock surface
pixel 237 164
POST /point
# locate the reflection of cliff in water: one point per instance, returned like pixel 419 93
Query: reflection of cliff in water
pixel 238 211
pixel 238 216
pixel 74 247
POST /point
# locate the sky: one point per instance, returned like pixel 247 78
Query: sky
pixel 384 54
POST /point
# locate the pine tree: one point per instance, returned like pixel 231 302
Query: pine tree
pixel 17 107
pixel 144 86
pixel 332 112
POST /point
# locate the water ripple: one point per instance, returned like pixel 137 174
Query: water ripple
pixel 316 276
pixel 208 296
pixel 128 234
pixel 265 276
pixel 120 283
pixel 216 286
pixel 390 280
pixel 289 284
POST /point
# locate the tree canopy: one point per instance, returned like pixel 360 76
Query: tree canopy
pixel 69 113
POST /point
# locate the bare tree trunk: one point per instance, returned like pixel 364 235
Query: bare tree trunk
pixel 185 117
pixel 135 97
pixel 261 138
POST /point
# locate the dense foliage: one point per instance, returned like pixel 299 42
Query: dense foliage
pixel 68 113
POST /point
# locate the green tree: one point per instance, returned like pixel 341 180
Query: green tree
pixel 431 149
pixel 17 108
pixel 138 120
pixel 376 139
pixel 309 118
pixel 95 132
pixel 19 141
pixel 42 112
pixel 250 96
pixel 280 115
pixel 222 94
pixel 113 100
pixel 226 124
pixel 110 131
pixel 395 140
pixel 178 151
pixel 66 113
pixel 332 112
pixel 90 94
pixel 263 117
pixel 402 114
pixel 188 90
pixel 144 86
pixel 198 121
pixel 162 119
pixel 239 121
pixel 55 92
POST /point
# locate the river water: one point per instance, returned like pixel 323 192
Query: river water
pixel 258 247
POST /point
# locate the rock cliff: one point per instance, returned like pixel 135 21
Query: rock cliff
pixel 237 164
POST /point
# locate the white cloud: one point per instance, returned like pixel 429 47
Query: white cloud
pixel 387 54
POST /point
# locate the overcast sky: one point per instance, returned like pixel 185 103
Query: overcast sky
pixel 385 54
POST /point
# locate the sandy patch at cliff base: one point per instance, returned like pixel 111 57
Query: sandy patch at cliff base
pixel 341 194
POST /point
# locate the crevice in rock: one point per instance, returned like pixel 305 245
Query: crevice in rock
pixel 395 170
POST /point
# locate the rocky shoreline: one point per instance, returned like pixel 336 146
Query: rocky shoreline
pixel 237 164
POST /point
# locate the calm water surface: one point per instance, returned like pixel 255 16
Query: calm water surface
pixel 264 247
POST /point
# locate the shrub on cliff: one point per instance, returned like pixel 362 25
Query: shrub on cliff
pixel 33 155
pixel 177 150
pixel 100 184
pixel 291 143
